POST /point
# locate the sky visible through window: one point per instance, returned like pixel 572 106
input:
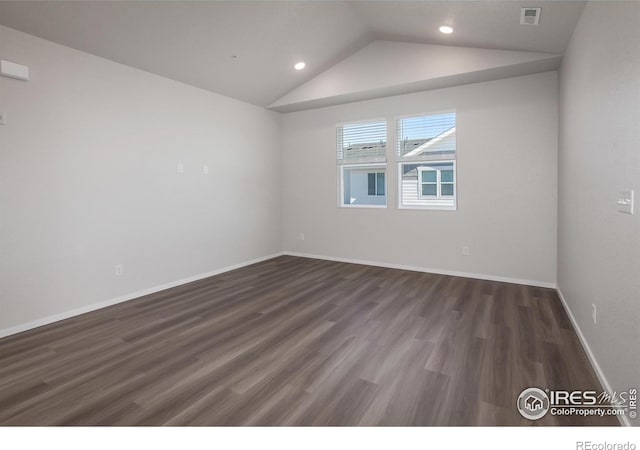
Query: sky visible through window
pixel 421 127
pixel 426 127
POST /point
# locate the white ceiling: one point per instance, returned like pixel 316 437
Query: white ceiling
pixel 193 42
pixel 410 67
pixel 485 24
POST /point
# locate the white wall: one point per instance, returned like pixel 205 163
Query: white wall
pixel 88 179
pixel 507 184
pixel 599 156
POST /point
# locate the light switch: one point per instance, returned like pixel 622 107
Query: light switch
pixel 625 202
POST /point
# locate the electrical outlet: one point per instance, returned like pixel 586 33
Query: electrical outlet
pixel 205 169
pixel 594 312
pixel 180 168
pixel 465 250
pixel 119 269
pixel 301 236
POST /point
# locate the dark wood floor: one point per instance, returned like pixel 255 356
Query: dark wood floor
pixel 295 341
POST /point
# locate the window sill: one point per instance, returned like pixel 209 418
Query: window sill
pixel 363 206
pixel 430 208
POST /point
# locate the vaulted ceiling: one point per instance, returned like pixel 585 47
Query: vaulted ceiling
pixel 246 50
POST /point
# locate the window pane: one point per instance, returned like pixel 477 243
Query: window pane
pixel 371 189
pixel 429 176
pixel 346 181
pixel 446 176
pixel 429 189
pixel 365 142
pixel 427 137
pixel 359 184
pixel 380 184
pixel 418 194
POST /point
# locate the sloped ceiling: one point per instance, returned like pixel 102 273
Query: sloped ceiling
pixel 194 41
pixel 389 68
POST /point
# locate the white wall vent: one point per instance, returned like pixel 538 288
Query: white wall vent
pixel 530 16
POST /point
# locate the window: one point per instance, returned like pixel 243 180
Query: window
pixel 436 181
pixel 375 183
pixel 428 179
pixel 362 157
pixel 426 157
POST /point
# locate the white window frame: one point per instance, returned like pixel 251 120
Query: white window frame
pixel 376 167
pixel 375 164
pixel 400 162
pixel 454 198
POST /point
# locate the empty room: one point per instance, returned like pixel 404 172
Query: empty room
pixel 320 214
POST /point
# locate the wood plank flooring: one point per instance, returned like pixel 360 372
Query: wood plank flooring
pixel 296 341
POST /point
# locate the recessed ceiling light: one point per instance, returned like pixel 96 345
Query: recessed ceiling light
pixel 299 66
pixel 446 29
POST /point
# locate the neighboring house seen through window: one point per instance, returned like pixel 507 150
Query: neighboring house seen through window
pixel 375 183
pixel 426 157
pixel 436 181
pixel 362 158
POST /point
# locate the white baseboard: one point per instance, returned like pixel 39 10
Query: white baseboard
pixel 478 276
pixel 624 420
pixel 123 298
pixel 592 359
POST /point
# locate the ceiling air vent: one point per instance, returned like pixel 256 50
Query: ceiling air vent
pixel 530 16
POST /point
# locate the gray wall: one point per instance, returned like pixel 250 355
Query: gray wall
pixel 507 184
pixel 88 179
pixel 599 156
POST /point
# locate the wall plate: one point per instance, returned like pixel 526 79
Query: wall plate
pixel 625 202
